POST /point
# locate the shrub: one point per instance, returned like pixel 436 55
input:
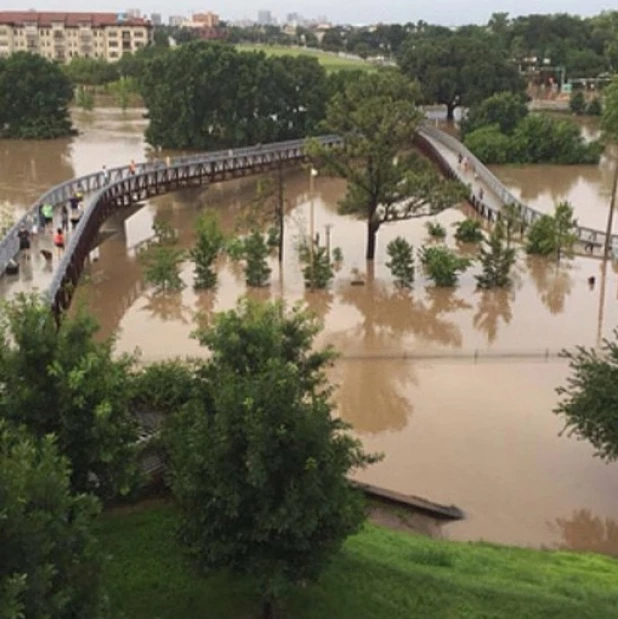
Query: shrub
pixel 321 273
pixel 577 102
pixel 553 234
pixel 489 145
pixel 401 262
pixel 469 231
pixel 162 267
pixel 436 230
pixel 337 254
pixel 594 108
pixel 442 265
pixel 497 260
pixel 209 243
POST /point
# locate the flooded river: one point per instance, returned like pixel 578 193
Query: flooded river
pixel 456 387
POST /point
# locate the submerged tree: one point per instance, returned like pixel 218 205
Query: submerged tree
pixel 60 380
pixel 589 404
pixel 443 265
pixel 318 270
pixel 377 116
pixel 497 260
pixel 51 561
pixel 469 231
pixel 209 243
pixel 255 251
pixel 259 468
pixel 401 263
pixel 553 234
pixel 162 260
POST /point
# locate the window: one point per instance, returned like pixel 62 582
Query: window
pixel 138 34
pixel 113 54
pixel 112 44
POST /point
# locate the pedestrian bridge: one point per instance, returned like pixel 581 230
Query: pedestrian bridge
pixel 122 189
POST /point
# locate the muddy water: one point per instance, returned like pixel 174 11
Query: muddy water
pixel 480 435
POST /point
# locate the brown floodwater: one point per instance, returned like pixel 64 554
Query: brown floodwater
pixel 455 387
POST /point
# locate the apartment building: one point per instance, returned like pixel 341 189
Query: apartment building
pixel 64 36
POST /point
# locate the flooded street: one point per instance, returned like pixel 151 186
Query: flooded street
pixel 456 387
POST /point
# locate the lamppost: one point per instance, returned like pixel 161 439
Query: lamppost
pixel 610 215
pixel 312 174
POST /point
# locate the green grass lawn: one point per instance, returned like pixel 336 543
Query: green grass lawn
pixel 380 574
pixel 330 62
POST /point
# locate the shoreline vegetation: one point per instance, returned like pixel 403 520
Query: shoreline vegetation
pixel 380 573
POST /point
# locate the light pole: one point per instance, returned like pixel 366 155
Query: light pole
pixel 328 228
pixel 610 215
pixel 312 174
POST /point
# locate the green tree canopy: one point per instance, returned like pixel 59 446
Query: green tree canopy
pixel 504 109
pixel 259 470
pixel 589 404
pixel 458 68
pixel 50 562
pixel 388 180
pixel 34 98
pixel 61 381
pixel 204 95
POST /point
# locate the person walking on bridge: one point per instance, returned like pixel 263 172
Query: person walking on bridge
pixel 24 241
pixel 48 215
pixel 59 241
pixel 132 168
pixel 105 172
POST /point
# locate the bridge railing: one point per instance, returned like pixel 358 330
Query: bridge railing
pixel 529 215
pixel 60 194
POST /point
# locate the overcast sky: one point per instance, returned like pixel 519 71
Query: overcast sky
pixel 447 12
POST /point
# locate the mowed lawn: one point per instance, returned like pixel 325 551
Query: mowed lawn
pixel 380 574
pixel 330 62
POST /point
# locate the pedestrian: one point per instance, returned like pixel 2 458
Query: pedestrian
pixel 75 217
pixel 65 218
pixel 48 215
pixel 105 172
pixel 132 167
pixel 59 241
pixel 481 193
pixel 459 159
pixel 24 241
pixel 168 161
pixel 74 201
pixel 79 194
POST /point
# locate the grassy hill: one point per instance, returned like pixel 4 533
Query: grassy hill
pixel 380 574
pixel 330 62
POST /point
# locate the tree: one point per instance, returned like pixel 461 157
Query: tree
pixel 161 259
pixel 401 264
pixel 469 231
pixel 577 102
pixel 443 265
pixel 553 234
pixel 205 96
pixel 504 109
pixel 259 470
pixel 51 561
pixel 58 379
pixel 255 254
pixel 208 244
pixel 377 116
pixel 497 259
pixel 589 404
pixel 34 98
pixel 318 270
pixel 436 230
pixel 458 68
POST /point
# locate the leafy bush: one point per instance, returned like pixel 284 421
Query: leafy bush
pixel 164 387
pixel 497 260
pixel 321 273
pixel 401 262
pixel 436 230
pixel 51 561
pixel 253 249
pixel 504 110
pixel 577 102
pixel 210 241
pixel 337 254
pixel 469 231
pixel 162 266
pixel 489 145
pixel 537 138
pixel 594 108
pixel 442 265
pixel 553 234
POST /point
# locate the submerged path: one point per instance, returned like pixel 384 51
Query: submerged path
pixel 123 189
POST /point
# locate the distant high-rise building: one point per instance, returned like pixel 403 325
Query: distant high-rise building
pixel 175 20
pixel 293 19
pixel 155 19
pixel 265 18
pixel 134 13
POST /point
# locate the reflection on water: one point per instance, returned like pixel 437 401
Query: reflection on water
pixel 480 436
pixel 553 281
pixel 494 308
pixel 585 531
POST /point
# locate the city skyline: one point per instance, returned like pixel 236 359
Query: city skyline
pixel 445 12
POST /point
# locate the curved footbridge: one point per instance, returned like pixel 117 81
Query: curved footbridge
pixel 122 189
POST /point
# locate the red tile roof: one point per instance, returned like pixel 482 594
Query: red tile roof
pixel 45 19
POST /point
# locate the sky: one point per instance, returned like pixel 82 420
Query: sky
pixel 446 12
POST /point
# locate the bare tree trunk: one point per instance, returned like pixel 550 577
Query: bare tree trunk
pixel 280 211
